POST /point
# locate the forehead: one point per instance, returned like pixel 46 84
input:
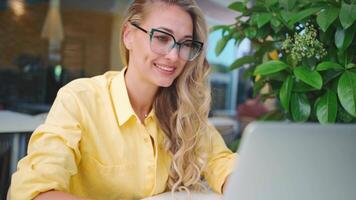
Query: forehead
pixel 171 17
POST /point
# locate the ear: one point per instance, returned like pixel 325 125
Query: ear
pixel 127 36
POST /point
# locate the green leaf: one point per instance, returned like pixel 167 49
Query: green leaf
pixel 275 22
pixel 350 65
pixel 250 32
pixel 286 92
pixel 291 61
pixel 220 46
pixel 218 27
pixel 241 61
pixel 339 37
pixel 303 14
pixel 286 15
pixel 287 4
pixel 327 38
pixel 330 75
pixel 270 67
pixel 343 115
pixel 347 14
pixel 341 56
pixel 327 17
pixel 258 85
pixel 263 18
pixel 300 86
pixel 278 76
pixel 263 32
pixel 271 2
pixel 349 36
pixel 346 91
pixel 252 20
pixel 248 73
pixel 328 65
pixel 300 107
pixel 237 6
pixel 326 107
pixel 312 78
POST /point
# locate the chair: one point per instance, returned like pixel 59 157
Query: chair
pixel 5 155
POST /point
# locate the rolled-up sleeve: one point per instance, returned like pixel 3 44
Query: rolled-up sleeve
pixel 220 164
pixel 53 151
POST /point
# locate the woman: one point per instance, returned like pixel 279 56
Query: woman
pixel 138 132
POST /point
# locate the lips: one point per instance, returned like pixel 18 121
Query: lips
pixel 165 68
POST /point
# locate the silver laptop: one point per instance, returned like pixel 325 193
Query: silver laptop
pixel 287 161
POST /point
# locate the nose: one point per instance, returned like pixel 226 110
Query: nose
pixel 173 54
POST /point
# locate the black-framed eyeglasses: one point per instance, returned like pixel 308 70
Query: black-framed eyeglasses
pixel 162 43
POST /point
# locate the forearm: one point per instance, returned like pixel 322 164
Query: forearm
pixel 57 195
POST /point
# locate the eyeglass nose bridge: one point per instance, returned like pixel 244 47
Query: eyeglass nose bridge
pixel 177 45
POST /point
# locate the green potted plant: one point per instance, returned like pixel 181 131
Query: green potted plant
pixel 305 51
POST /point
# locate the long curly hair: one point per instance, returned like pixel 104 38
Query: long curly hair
pixel 184 118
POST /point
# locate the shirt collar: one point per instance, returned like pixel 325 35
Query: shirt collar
pixel 121 99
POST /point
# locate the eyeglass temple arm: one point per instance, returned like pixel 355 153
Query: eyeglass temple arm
pixel 137 26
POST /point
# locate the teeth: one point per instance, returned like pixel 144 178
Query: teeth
pixel 165 68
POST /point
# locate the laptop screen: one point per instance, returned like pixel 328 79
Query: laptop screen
pixel 287 161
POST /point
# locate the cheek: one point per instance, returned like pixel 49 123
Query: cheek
pixel 183 64
pixel 142 52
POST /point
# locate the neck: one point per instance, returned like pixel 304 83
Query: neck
pixel 141 93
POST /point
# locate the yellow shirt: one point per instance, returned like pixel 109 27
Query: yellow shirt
pixel 93 145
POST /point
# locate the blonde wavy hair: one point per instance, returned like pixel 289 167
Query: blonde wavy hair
pixel 182 109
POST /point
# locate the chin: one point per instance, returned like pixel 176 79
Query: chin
pixel 165 83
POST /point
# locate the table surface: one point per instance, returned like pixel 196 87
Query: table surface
pixel 11 122
pixel 19 122
pixel 183 195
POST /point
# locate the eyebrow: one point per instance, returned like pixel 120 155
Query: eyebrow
pixel 171 32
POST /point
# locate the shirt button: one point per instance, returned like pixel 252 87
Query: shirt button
pixel 146 140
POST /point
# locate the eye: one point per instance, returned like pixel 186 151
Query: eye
pixel 187 44
pixel 162 38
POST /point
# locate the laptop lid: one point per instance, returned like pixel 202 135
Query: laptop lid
pixel 287 161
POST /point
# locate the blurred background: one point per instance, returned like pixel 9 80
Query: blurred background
pixel 44 44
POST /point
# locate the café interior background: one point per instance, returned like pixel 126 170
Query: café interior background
pixel 44 44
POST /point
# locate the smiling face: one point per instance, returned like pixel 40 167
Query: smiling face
pixel 146 66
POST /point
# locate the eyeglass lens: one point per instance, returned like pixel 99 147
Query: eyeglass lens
pixel 162 43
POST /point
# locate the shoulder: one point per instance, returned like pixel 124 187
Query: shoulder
pixel 86 87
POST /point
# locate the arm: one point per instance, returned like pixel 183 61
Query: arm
pixel 53 152
pixel 220 162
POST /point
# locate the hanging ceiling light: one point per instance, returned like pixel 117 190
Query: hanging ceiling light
pixel 17 6
pixel 52 28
